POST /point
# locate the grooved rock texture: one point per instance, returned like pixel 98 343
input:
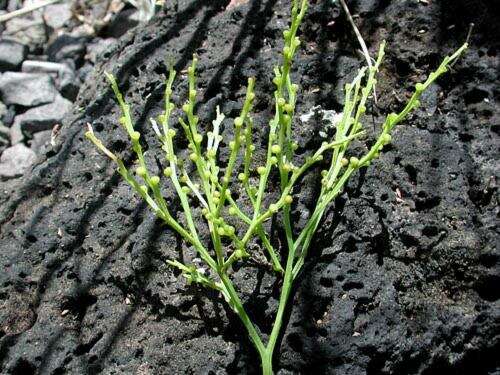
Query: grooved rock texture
pixel 403 275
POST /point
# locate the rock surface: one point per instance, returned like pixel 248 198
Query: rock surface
pixel 27 89
pixel 12 55
pixel 15 160
pixel 402 277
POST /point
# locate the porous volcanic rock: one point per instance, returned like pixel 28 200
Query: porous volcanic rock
pixel 403 275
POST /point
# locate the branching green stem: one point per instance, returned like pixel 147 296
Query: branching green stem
pixel 214 194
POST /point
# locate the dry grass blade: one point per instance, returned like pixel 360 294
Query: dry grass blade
pixel 26 10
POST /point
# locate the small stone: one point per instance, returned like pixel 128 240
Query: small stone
pixel 15 161
pixel 12 55
pixel 43 117
pixel 27 89
pixel 29 31
pixel 57 15
pixel 64 312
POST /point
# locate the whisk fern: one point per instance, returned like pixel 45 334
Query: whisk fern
pixel 208 186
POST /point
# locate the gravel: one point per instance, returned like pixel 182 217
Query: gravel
pixel 27 89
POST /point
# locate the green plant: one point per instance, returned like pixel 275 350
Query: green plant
pixel 210 187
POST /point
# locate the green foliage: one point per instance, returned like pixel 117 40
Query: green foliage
pixel 210 187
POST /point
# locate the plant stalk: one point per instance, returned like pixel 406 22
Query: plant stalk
pixel 267 363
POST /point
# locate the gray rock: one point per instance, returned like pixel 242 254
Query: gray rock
pixel 57 15
pixel 26 30
pixel 41 141
pixel 15 161
pixel 43 117
pixel 67 82
pixel 27 89
pixel 12 55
